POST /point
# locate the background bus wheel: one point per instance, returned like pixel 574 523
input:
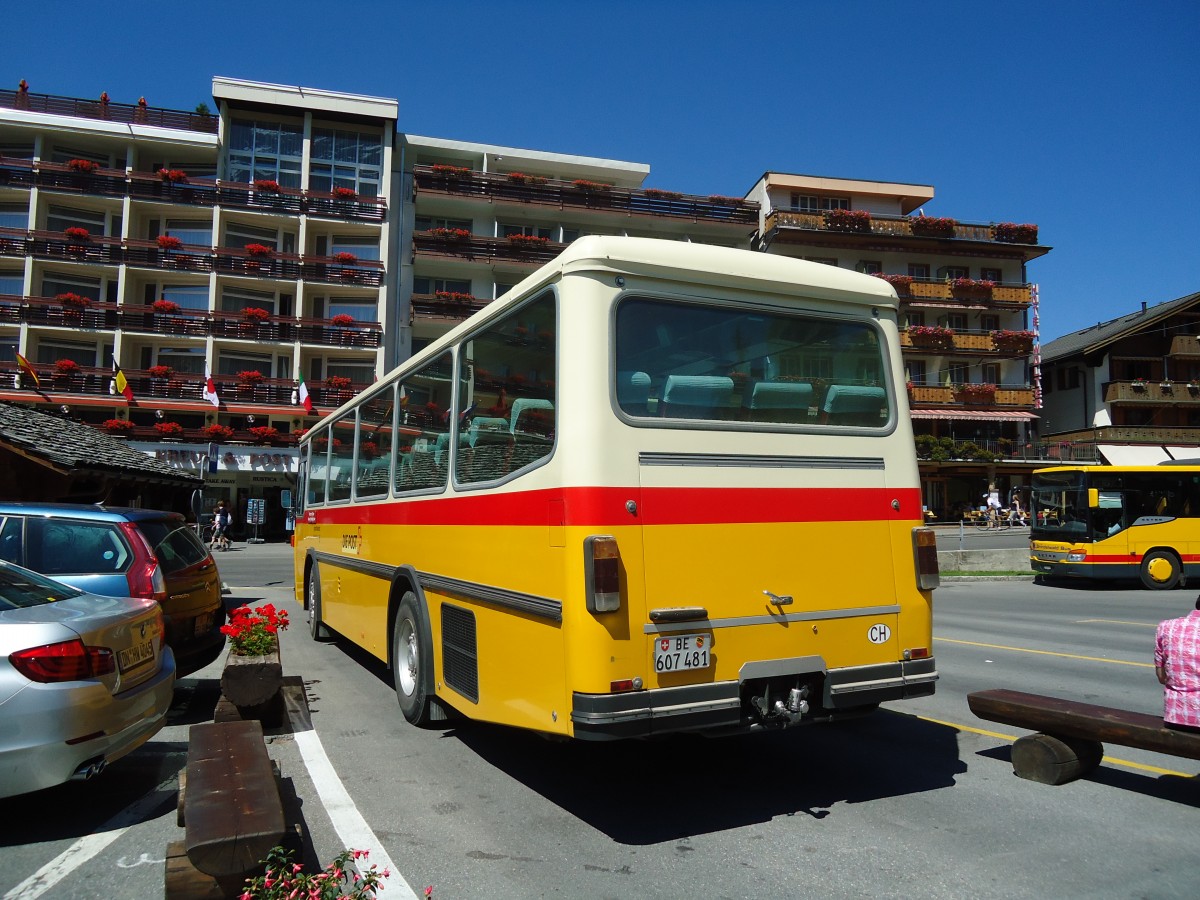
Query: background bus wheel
pixel 315 628
pixel 412 660
pixel 1160 570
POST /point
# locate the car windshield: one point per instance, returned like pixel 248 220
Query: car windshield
pixel 21 589
pixel 174 543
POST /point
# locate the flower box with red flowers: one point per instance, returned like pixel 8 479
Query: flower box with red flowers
pixel 1013 341
pixel 345 258
pixel 266 185
pixel 935 336
pixel 342 320
pixel 165 306
pixel 160 371
pixel 978 392
pixel 78 235
pixel 84 166
pixel 258 251
pixel 255 314
pixel 249 376
pixel 454 296
pixel 168 242
pixel 971 287
pixel 1012 233
pixel 344 193
pixel 117 426
pixel 73 299
pixel 368 450
pixel 173 176
pixel 848 220
pixel 451 171
pixel 168 429
pixel 902 283
pixel 450 234
pixel 264 434
pixel 590 186
pixel 932 226
pixel 218 432
pixel 722 200
pixel 65 367
pixel 338 382
pixel 528 240
pixel 659 194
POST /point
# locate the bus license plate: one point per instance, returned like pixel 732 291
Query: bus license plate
pixel 682 651
pixel 132 657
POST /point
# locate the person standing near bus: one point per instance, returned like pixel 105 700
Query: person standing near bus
pixel 993 506
pixel 1177 665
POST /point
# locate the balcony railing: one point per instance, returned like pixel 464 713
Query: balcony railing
pixel 203 192
pixel 1059 450
pixel 1182 436
pixel 586 195
pixel 887 226
pixel 98 382
pixel 1005 396
pixel 50 311
pixel 113 251
pixel 129 113
pixel 477 248
pixel 1155 393
pixel 430 306
pixel 939 292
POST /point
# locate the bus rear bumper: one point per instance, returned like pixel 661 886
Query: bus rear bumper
pixel 723 707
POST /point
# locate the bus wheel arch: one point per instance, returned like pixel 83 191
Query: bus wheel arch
pixel 1161 570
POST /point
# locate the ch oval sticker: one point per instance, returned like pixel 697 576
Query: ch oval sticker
pixel 879 633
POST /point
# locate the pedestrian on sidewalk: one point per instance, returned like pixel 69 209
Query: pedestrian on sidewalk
pixel 1177 665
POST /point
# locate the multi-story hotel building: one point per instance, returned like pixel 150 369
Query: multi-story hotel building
pixel 294 236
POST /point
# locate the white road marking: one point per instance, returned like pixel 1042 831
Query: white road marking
pixel 87 847
pixel 347 821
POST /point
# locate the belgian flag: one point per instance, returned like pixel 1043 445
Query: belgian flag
pixel 119 380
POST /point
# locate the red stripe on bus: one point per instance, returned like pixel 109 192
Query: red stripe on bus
pixel 655 506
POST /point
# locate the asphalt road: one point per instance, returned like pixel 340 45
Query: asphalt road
pixel 918 799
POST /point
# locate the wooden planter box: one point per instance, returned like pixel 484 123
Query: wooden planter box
pixel 252 683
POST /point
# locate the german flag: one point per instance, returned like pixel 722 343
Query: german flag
pixel 119 380
pixel 27 369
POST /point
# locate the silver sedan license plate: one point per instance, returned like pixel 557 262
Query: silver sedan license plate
pixel 132 657
pixel 675 652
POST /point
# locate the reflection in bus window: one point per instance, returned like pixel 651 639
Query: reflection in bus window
pixel 341 457
pixel 729 364
pixel 374 446
pixel 423 431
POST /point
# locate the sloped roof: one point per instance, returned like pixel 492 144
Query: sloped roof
pixel 1095 337
pixel 73 446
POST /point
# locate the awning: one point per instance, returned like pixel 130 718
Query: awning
pixel 995 415
pixel 1125 455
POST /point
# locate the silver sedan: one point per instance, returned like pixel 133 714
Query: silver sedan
pixel 84 680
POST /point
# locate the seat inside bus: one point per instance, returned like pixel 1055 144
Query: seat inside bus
pixel 779 401
pixel 697 396
pixel 854 404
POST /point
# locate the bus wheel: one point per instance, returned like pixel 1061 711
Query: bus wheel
pixel 1160 570
pixel 315 627
pixel 412 659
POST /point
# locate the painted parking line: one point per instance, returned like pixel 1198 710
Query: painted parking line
pixel 1111 760
pixel 347 821
pixel 1115 662
pixel 1116 622
pixel 84 849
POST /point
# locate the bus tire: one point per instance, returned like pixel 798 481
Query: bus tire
pixel 412 660
pixel 1161 570
pixel 316 628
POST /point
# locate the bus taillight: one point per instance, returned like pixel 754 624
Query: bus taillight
pixel 925 554
pixel 602 568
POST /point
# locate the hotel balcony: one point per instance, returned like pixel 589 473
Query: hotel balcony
pixel 431 306
pixel 898 233
pixel 94 386
pixel 126 113
pixel 113 251
pixel 95 315
pixel 479 249
pixel 1005 396
pixel 960 342
pixel 925 292
pixel 508 188
pixel 206 193
pixel 1153 393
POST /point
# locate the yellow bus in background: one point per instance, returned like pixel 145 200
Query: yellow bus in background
pixel 656 487
pixel 1107 523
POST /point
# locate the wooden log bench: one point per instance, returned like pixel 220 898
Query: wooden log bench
pixel 231 810
pixel 1071 735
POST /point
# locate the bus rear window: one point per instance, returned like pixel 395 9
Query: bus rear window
pixel 726 364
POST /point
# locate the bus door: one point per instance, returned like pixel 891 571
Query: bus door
pixel 796 549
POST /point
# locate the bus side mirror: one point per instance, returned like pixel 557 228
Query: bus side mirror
pixel 1094 498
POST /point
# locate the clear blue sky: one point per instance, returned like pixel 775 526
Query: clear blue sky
pixel 1080 117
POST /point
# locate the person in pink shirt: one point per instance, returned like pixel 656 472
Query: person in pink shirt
pixel 1177 665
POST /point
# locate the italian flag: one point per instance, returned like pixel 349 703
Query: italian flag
pixel 305 400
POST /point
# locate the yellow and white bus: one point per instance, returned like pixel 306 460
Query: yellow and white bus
pixel 1117 522
pixel 656 487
